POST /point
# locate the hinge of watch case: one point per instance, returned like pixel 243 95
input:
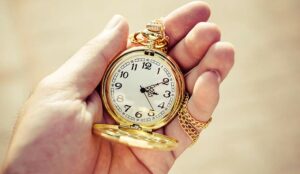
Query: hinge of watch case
pixel 135 127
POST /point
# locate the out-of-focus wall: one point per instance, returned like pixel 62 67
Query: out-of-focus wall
pixel 256 125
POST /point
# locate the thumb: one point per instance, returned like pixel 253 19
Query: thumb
pixel 84 71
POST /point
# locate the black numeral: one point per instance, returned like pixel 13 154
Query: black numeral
pixel 158 70
pixel 138 114
pixel 151 113
pixel 165 81
pixel 162 105
pixel 134 66
pixel 118 85
pixel 127 107
pixel 146 65
pixel 167 94
pixel 124 74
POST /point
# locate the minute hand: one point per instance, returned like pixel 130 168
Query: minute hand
pixel 156 84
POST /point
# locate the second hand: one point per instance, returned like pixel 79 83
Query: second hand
pixel 148 101
pixel 143 90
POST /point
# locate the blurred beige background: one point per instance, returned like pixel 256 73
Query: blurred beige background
pixel 256 127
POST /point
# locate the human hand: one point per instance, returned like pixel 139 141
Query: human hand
pixel 53 133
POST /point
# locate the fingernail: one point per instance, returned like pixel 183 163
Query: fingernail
pixel 114 21
pixel 217 75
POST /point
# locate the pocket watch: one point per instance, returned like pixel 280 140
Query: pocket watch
pixel 142 90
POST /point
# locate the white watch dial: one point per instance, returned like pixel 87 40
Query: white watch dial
pixel 142 88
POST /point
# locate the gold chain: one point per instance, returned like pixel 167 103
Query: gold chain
pixel 153 36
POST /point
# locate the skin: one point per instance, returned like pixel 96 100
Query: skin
pixel 53 133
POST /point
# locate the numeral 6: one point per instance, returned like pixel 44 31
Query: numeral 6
pixel 138 114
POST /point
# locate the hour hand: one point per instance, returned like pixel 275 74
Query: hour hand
pixel 155 93
pixel 151 91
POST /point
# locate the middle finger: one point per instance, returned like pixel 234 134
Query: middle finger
pixel 190 50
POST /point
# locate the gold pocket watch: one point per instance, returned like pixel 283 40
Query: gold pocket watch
pixel 142 90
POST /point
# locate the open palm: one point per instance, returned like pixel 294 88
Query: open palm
pixel 54 131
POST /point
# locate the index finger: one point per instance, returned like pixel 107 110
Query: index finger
pixel 180 21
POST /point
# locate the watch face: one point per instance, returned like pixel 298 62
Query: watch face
pixel 142 87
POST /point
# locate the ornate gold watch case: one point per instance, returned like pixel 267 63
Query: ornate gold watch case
pixel 133 133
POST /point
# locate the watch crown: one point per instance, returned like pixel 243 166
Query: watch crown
pixel 135 127
pixel 154 27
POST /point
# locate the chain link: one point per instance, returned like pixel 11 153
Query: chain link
pixel 153 36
